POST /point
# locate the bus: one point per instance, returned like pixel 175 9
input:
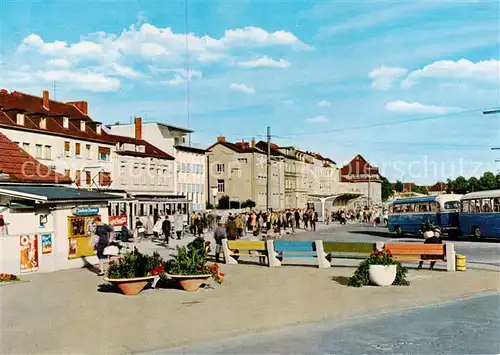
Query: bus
pixel 480 214
pixel 406 215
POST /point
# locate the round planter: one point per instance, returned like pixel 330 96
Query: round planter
pixel 190 283
pixel 382 275
pixel 131 287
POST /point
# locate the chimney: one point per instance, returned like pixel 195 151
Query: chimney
pixel 221 139
pixel 82 106
pixel 138 127
pixel 253 142
pixel 46 99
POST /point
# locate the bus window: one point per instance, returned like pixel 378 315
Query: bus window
pixel 434 206
pixel 486 205
pixel 396 208
pixel 465 206
pixel 452 205
pixel 423 207
pixel 409 208
pixel 496 205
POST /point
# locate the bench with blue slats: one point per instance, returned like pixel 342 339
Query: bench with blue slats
pixel 284 249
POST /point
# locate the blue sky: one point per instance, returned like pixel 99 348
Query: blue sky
pixel 402 83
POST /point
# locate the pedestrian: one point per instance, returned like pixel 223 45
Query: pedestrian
pixel 297 219
pixel 102 232
pixel 178 225
pixel 149 227
pixel 314 217
pixel 166 226
pixel 219 235
pixel 435 239
pixel 239 225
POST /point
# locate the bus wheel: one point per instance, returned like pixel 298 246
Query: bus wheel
pixel 476 232
pixel 398 231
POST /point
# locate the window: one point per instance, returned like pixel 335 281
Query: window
pixel 88 148
pixel 38 151
pixel 20 119
pixel 67 173
pixel 43 123
pixel 98 129
pixel 452 205
pixel 104 178
pixel 67 148
pixel 123 178
pixel 104 153
pixel 88 178
pixel 77 149
pixel 183 167
pixel 221 188
pixel 242 160
pixel 82 126
pixel 65 122
pixel 219 168
pixel 48 152
pixel 434 206
pixel 78 178
pixel 26 147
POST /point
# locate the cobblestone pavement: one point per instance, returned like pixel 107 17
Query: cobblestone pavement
pixel 468 326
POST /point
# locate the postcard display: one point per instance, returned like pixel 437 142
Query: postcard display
pixel 79 237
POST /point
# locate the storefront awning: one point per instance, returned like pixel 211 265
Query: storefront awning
pixel 55 194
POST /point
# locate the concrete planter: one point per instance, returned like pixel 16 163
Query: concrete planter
pixel 190 283
pixel 382 275
pixel 131 287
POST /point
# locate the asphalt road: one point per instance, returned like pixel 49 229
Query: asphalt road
pixel 479 254
pixel 468 326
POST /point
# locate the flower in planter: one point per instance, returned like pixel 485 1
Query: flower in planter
pixel 8 278
pixel 135 264
pixel 378 257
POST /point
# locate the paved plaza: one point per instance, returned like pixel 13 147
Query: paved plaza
pixel 64 312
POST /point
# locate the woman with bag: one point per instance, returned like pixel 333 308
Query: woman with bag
pixel 102 232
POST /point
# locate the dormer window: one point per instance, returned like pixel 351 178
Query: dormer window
pixel 98 128
pixel 20 119
pixel 43 123
pixel 66 122
pixel 82 126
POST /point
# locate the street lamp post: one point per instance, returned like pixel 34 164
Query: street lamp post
pixel 215 190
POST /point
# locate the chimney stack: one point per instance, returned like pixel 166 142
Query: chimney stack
pixel 138 128
pixel 46 99
pixel 82 106
pixel 221 139
pixel 253 142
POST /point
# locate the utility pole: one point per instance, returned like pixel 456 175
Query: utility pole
pixel 268 194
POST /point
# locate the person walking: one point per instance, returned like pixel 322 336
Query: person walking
pixel 314 219
pixel 435 239
pixel 297 219
pixel 149 227
pixel 219 235
pixel 102 232
pixel 166 226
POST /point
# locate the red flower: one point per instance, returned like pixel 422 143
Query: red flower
pixel 111 262
pixel 380 253
pixel 221 274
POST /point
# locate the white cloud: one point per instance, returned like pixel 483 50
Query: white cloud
pixel 488 71
pixel 126 72
pixel 58 62
pixel 384 77
pixel 324 104
pixel 416 107
pixel 180 76
pixel 242 88
pixel 265 62
pixel 177 80
pixel 318 119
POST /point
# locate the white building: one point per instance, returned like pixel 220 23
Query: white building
pixel 190 176
pixel 64 137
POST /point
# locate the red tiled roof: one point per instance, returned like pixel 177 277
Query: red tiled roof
pixel 358 166
pixel 237 147
pixel 22 167
pixel 34 110
pixel 438 187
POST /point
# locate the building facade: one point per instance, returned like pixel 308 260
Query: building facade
pixel 189 173
pixel 358 174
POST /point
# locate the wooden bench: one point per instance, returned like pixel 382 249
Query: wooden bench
pixel 233 249
pixel 297 249
pixel 435 252
pixel 340 250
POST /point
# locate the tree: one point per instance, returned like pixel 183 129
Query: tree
pixel 209 206
pixel 250 203
pixel 488 181
pixel 399 186
pixel 473 184
pixel 460 185
pixel 387 191
pixel 224 203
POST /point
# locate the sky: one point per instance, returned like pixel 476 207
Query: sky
pixel 403 83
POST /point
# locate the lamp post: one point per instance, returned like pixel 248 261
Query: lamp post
pixel 215 190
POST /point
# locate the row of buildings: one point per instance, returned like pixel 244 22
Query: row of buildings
pixel 152 168
pixel 59 169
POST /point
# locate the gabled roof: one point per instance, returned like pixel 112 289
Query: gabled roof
pixel 33 109
pixel 237 147
pixel 274 150
pixel 19 166
pixel 358 166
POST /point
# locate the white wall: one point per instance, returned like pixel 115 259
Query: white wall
pixel 58 158
pixel 27 223
pixel 191 177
